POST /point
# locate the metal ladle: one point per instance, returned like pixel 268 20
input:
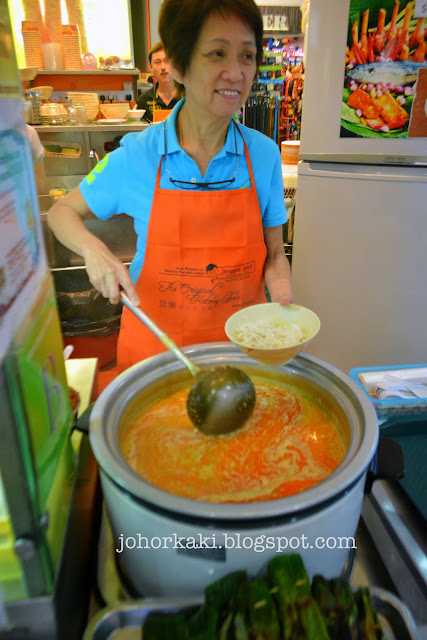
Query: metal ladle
pixel 221 398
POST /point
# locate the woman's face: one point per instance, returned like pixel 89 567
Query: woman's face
pixel 222 68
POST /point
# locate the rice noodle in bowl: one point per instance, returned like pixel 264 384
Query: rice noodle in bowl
pixel 266 334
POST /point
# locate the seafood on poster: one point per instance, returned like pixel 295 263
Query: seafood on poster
pixel 386 48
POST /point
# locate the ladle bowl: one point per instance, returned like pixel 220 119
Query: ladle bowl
pixel 221 399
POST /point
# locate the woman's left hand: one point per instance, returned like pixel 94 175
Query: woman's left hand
pixel 277 271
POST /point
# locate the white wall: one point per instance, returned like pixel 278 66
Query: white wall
pixel 154 20
pixel 155 9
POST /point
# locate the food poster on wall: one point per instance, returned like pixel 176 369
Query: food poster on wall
pixel 385 58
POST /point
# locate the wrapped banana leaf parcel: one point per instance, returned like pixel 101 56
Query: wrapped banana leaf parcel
pixel 281 604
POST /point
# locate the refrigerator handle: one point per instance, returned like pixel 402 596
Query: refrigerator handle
pixel 381 173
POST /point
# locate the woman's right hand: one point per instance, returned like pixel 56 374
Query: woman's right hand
pixel 106 272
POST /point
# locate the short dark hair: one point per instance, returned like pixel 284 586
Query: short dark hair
pixel 159 46
pixel 180 23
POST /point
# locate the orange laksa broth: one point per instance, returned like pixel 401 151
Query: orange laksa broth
pixel 288 445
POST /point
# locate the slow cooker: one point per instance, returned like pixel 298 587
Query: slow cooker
pixel 168 545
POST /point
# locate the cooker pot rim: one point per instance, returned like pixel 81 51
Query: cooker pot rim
pixel 357 407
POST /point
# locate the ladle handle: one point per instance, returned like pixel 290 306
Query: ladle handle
pixel 160 334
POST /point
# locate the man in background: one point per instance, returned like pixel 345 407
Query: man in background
pixel 163 95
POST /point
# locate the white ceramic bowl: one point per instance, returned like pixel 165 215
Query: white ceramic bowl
pixel 306 320
pixel 135 114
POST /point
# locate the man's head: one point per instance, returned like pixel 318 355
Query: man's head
pixel 158 65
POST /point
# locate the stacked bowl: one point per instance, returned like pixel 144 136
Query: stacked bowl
pixel 90 101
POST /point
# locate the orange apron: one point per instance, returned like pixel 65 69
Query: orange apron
pixel 204 260
pixel 160 114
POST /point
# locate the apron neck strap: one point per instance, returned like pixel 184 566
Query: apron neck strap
pixel 245 148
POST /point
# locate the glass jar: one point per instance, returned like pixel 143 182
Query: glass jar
pixel 71 111
pixel 51 113
pixel 80 113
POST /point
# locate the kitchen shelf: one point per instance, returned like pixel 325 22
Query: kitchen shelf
pixel 91 136
pixel 85 80
pixel 83 72
pixel 91 127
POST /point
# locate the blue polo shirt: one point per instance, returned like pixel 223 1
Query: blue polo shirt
pixel 124 181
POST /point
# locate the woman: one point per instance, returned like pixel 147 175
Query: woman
pixel 206 193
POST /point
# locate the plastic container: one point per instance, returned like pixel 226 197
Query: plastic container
pixel 290 151
pixel 390 407
pixel 57 192
pixel 52 56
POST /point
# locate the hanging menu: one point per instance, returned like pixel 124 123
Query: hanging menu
pixel 22 254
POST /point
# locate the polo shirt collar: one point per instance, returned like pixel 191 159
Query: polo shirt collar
pixel 172 144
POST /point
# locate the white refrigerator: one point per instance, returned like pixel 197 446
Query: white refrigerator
pixel 360 239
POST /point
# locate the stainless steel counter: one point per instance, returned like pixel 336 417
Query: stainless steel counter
pixel 91 137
